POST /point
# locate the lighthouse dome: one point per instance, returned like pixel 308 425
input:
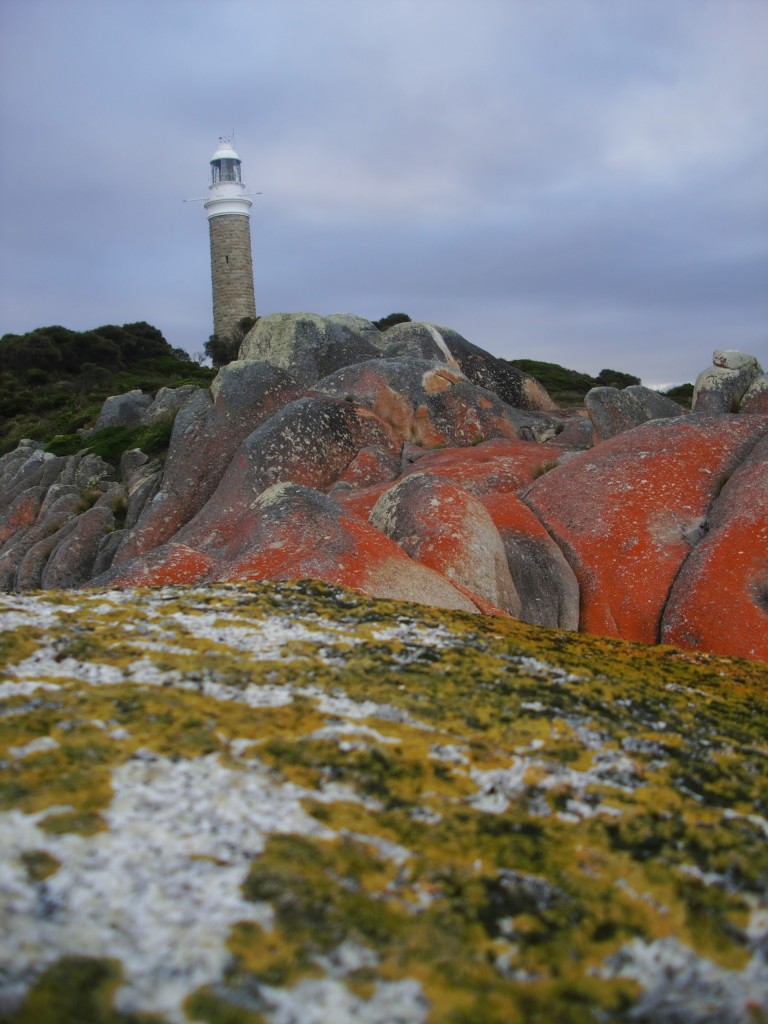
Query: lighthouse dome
pixel 225 151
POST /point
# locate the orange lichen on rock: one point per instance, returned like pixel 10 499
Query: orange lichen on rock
pixel 719 602
pixel 444 527
pixel 628 513
pixel 500 464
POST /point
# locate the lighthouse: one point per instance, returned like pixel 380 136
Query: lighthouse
pixel 228 210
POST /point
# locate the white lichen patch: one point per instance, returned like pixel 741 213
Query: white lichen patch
pixel 679 985
pixel 44 665
pixel 24 689
pixel 497 787
pixel 37 746
pixel 340 705
pixel 265 638
pixel 326 1000
pixel 159 890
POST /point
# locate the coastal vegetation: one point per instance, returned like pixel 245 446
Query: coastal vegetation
pixel 53 381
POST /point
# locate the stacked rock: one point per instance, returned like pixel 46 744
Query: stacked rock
pixel 734 383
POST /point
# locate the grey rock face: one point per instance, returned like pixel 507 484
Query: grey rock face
pixel 731 359
pixel 357 325
pixel 417 341
pixel 612 411
pixel 756 398
pixel 124 410
pixel 513 386
pixel 71 563
pixel 721 387
pixel 43 532
pixel 312 441
pixel 206 434
pixel 577 432
pixel 167 402
pixel 545 582
pixel 308 345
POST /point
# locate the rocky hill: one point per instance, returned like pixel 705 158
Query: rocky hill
pixel 235 801
pixel 291 804
pixel 410 464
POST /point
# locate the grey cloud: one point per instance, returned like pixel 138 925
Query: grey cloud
pixel 581 178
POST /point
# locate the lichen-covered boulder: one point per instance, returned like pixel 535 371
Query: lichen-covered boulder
pixel 290 803
pixel 612 411
pixel 72 560
pixel 512 385
pixel 721 387
pixel 627 513
pixel 170 564
pixel 429 403
pixel 756 397
pixel 307 345
pixel 544 581
pixel 20 512
pixel 167 403
pixel 373 465
pixel 126 410
pixel 292 532
pixel 441 525
pixel 297 532
pixel 358 501
pixel 577 431
pixel 357 325
pixel 416 341
pixel 312 441
pixel 499 465
pixel 41 508
pixel 28 558
pixel 719 600
pixel 207 431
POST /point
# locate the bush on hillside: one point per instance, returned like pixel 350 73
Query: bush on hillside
pixel 571 385
pixel 223 350
pixel 616 379
pixel 111 442
pixel 556 379
pixel 389 321
pixel 53 381
pixel 682 394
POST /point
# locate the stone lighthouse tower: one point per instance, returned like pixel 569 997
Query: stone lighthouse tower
pixel 229 223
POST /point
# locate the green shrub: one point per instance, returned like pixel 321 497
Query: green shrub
pixel 111 442
pixel 389 321
pixel 616 379
pixel 682 394
pixel 65 444
pixel 556 379
pixel 568 387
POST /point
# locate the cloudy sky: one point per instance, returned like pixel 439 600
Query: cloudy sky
pixel 579 181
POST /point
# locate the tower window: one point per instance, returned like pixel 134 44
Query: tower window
pixel 225 169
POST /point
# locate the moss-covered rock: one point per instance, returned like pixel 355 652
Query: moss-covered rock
pixel 278 803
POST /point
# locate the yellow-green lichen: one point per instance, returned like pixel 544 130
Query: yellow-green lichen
pixel 506 808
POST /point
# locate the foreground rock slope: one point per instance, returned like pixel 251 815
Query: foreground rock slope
pixel 273 804
pixel 410 464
